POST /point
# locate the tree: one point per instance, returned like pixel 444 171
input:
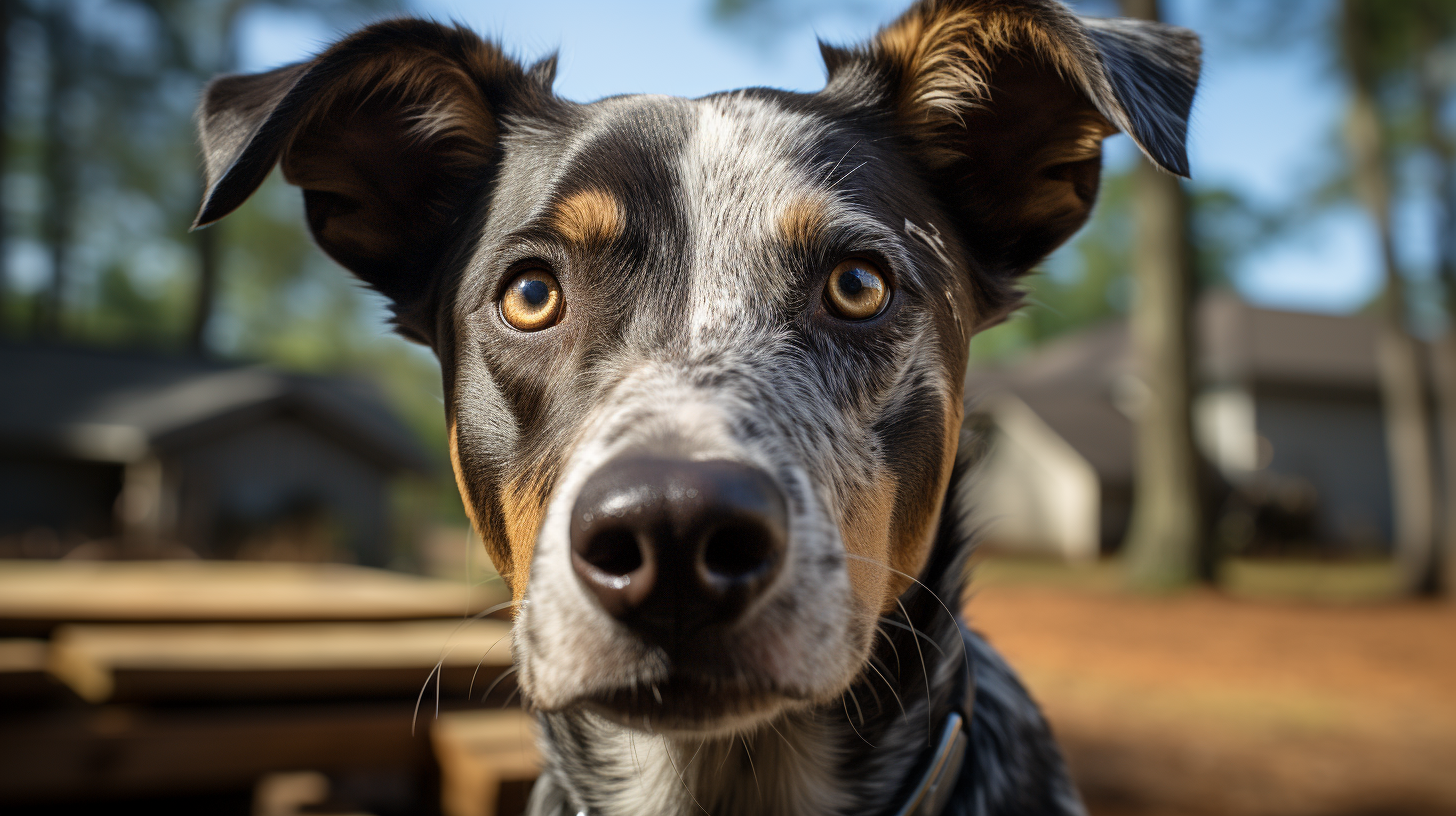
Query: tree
pixel 1168 534
pixel 1366 35
pixel 59 166
pixel 1435 70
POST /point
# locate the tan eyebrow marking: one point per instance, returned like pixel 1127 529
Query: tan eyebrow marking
pixel 589 218
pixel 804 220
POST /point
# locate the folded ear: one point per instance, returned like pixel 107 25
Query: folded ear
pixel 392 135
pixel 1006 104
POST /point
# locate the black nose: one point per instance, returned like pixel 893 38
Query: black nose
pixel 669 546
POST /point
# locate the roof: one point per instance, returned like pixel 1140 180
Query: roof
pixel 1076 382
pixel 120 407
pixel 1242 343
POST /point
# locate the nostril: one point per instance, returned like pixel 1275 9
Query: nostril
pixel 614 552
pixel 739 551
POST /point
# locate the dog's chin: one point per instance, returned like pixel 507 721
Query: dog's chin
pixel 692 706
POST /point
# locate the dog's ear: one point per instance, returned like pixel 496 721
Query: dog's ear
pixel 1005 103
pixel 391 133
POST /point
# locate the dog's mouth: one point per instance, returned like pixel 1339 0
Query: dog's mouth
pixel 693 702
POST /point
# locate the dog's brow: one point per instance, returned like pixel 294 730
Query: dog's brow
pixel 804 220
pixel 589 217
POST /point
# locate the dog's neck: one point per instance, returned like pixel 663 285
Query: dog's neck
pixel 858 754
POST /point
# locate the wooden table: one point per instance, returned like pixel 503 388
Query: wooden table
pixel 195 676
pixel 478 752
pixel 36 596
pixel 256 661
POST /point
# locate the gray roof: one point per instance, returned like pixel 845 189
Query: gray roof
pixel 119 407
pixel 1074 382
pixel 1242 343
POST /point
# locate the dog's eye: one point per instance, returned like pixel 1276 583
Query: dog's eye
pixel 532 301
pixel 856 289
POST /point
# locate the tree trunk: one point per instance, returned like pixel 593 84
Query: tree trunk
pixel 1167 537
pixel 1433 93
pixel 1402 370
pixel 59 169
pixel 5 17
pixel 208 241
pixel 206 293
pixel 1444 366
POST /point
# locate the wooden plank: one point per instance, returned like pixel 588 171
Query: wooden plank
pixel 477 752
pixel 37 595
pixel 117 751
pixel 168 662
pixel 24 674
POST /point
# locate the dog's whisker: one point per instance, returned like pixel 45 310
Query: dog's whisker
pixel 847 175
pixel 471 688
pixel 955 622
pixel 699 750
pixel 423 688
pixel 921 635
pixel 889 685
pixel 879 706
pixel 509 697
pixel 770 724
pixel 636 761
pixel 858 710
pixel 749 754
pixel 929 725
pixel 850 721
pixel 445 652
pixel 889 641
pixel 724 761
pixel 667 751
pixel 830 174
pixel 497 681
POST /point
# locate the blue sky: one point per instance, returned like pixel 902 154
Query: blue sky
pixel 1262 126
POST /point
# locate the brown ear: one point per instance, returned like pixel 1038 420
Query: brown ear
pixel 392 135
pixel 1006 104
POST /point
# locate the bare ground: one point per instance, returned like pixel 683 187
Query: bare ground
pixel 1203 704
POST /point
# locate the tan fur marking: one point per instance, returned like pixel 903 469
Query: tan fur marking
pixel 905 549
pixel 803 221
pixel 865 528
pixel 524 510
pixel 946 54
pixel 460 483
pixel 589 218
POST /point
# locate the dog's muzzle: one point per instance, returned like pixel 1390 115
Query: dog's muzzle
pixel 671 547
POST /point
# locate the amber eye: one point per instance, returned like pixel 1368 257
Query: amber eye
pixel 857 289
pixel 532 301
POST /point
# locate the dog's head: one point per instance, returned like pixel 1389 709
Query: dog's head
pixel 703 359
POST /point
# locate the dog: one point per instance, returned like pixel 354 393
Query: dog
pixel 703 364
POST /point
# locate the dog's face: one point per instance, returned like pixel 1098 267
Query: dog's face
pixel 703 359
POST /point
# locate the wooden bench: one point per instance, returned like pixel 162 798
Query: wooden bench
pixel 480 751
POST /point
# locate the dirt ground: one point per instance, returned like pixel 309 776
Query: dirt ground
pixel 1200 703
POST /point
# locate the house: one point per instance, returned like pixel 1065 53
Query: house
pixel 136 453
pixel 1288 411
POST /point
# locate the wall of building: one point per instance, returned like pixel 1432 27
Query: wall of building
pixel 72 499
pixel 277 480
pixel 1033 492
pixel 1336 443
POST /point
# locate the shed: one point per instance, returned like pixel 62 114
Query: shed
pixel 145 451
pixel 1288 407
